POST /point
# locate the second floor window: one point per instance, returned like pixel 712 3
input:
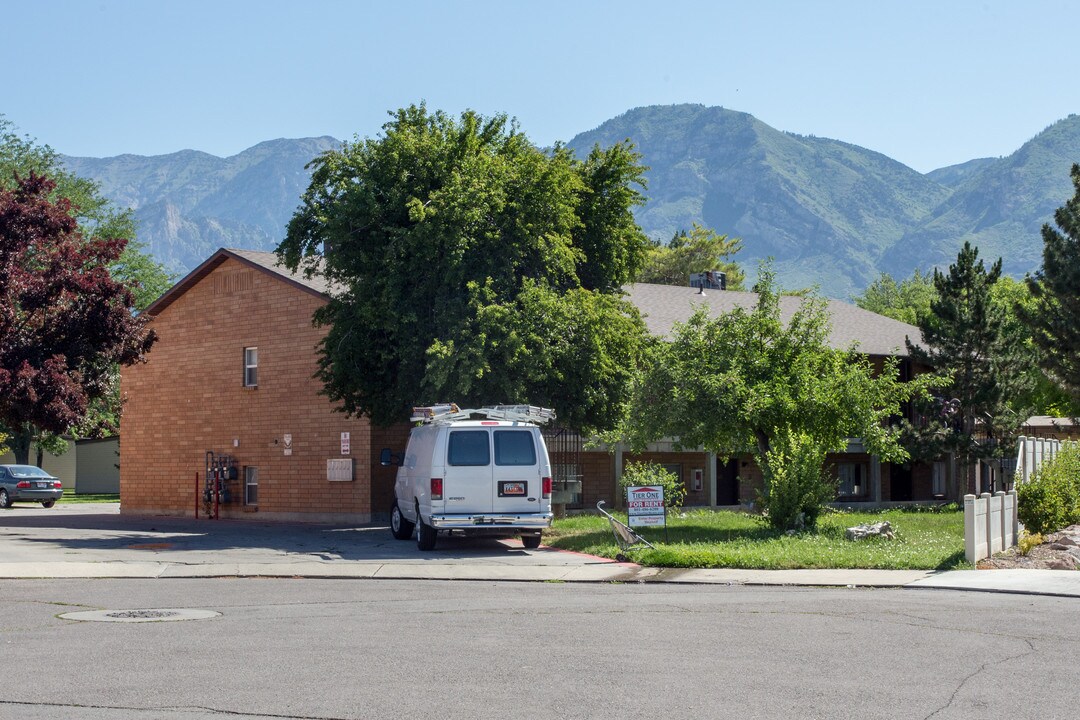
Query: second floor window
pixel 251 367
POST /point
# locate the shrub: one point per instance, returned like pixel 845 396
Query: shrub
pixel 1051 500
pixel 652 474
pixel 796 484
pixel 1028 541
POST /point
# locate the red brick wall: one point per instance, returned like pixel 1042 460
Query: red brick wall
pixel 598 479
pixel 189 398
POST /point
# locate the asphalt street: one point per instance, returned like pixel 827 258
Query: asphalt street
pixel 358 648
pixel 93 609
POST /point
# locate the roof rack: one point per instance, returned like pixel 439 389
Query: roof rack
pixel 450 412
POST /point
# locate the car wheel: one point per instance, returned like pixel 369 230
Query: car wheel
pixel 425 534
pixel 531 541
pixel 5 499
pixel 47 503
pixel 399 526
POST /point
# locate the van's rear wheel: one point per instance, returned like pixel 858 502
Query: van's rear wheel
pixel 425 534
pixel 531 541
pixel 399 526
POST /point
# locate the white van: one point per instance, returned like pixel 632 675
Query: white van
pixel 483 471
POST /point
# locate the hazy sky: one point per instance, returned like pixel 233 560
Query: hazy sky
pixel 927 83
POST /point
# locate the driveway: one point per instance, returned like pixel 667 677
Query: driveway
pixel 95 540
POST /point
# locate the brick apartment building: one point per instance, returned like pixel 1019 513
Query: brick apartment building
pixel 231 374
pixel 230 384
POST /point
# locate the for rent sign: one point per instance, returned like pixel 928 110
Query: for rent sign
pixel 645 506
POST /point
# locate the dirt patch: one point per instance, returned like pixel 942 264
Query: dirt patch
pixel 1061 551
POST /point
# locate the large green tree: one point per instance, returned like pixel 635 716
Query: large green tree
pixel 97 220
pixel 700 250
pixel 907 301
pixel 469 265
pixel 65 324
pixel 1054 316
pixel 746 381
pixel 967 335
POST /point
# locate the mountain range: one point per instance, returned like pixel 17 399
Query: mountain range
pixel 830 213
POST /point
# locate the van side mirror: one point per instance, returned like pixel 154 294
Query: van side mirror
pixel 388 458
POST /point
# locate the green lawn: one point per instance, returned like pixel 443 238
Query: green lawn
pixel 925 540
pixel 71 497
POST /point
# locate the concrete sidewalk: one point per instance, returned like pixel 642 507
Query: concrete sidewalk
pixel 95 541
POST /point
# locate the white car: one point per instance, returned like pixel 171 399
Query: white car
pixel 483 471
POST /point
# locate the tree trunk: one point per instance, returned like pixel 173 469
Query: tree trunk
pixel 763 457
pixel 20 445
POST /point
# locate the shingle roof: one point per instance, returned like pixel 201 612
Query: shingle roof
pixel 661 305
pixel 269 261
pixel 664 305
pixel 264 261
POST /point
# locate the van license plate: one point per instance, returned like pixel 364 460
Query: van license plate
pixel 512 489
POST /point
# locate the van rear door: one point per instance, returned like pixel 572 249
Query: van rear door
pixel 517 486
pixel 468 473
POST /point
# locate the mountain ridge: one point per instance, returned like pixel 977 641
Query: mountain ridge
pixel 832 214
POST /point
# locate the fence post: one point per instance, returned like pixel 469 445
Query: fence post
pixel 993 523
pixel 1008 519
pixel 974 528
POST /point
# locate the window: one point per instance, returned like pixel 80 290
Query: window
pixel 469 448
pixel 514 447
pixel 850 476
pixel 251 485
pixel 938 485
pixel 251 367
pixel 675 469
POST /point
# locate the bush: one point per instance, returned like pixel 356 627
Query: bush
pixel 1028 541
pixel 796 484
pixel 1051 500
pixel 635 474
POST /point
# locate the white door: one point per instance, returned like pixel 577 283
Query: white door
pixel 467 478
pixel 517 487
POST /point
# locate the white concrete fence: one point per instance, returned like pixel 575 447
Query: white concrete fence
pixel 1031 452
pixel 990 524
pixel 990 521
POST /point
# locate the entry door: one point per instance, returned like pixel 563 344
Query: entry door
pixel 727 481
pixel 900 483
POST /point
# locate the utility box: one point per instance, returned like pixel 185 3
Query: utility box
pixel 711 280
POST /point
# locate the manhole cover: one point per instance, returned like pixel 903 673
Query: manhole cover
pixel 142 614
pixel 131 616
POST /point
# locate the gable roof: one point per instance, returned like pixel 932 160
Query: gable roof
pixel 664 305
pixel 661 305
pixel 263 261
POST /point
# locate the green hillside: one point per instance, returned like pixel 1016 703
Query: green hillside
pixel 832 214
pixel 999 209
pixel 826 210
pixel 190 203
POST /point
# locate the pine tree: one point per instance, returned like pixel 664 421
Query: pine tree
pixel 965 335
pixel 1054 317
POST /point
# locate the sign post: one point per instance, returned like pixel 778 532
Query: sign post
pixel 645 507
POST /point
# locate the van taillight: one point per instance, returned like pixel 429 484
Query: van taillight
pixel 547 488
pixel 436 488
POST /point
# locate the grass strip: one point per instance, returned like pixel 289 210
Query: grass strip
pixel 70 496
pixel 926 539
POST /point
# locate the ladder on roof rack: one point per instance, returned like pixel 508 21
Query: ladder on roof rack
pixel 450 412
